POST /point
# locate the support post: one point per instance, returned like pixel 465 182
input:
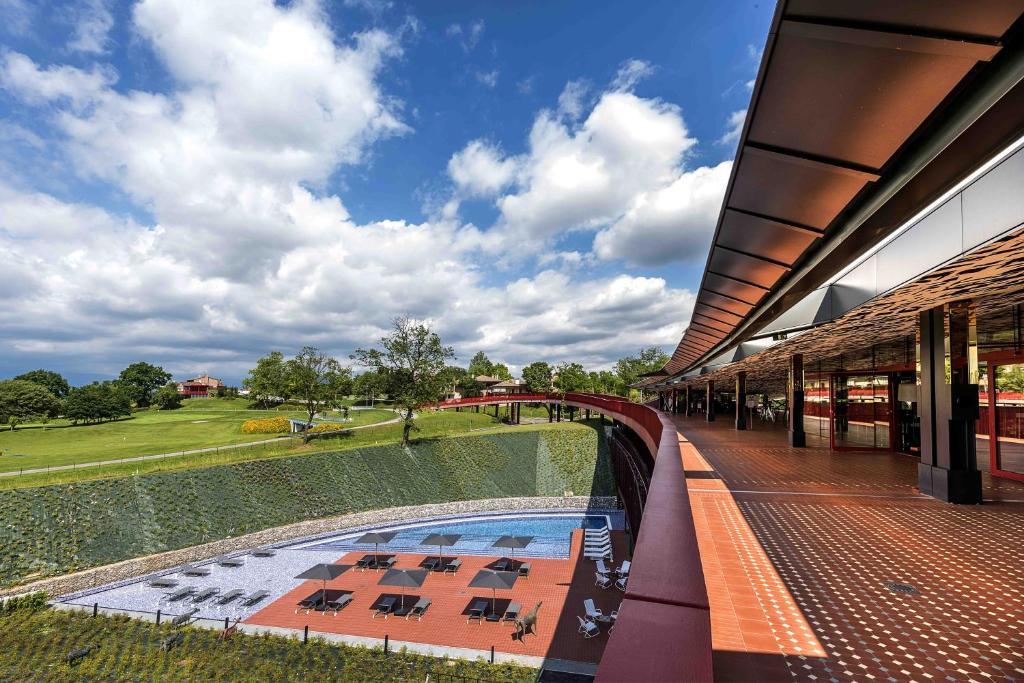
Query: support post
pixel 741 400
pixel 551 413
pixel 710 401
pixel 795 401
pixel 689 402
pixel 948 404
pixel 558 417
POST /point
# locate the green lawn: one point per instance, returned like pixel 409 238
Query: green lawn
pixel 202 423
pixel 33 645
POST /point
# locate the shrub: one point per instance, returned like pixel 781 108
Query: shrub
pixel 28 602
pixel 325 427
pixel 267 425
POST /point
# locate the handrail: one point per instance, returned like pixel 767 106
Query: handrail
pixel 663 629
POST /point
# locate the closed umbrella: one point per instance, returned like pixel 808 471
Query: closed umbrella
pixel 441 541
pixel 376 538
pixel 488 578
pixel 324 573
pixel 513 542
pixel 406 578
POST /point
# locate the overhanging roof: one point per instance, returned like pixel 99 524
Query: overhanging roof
pixel 863 111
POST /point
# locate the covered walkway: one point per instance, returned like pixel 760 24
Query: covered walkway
pixel 830 566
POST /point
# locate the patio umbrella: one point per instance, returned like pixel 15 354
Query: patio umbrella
pixel 324 572
pixel 488 578
pixel 513 542
pixel 441 540
pixel 406 578
pixel 376 538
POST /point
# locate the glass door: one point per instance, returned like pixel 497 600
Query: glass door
pixel 861 412
pixel 1008 446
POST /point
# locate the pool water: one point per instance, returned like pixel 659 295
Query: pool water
pixel 551 535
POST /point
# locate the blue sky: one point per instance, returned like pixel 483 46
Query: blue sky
pixel 195 185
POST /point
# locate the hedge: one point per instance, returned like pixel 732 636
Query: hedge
pixel 55 529
pixel 267 425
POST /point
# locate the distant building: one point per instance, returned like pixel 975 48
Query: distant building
pixel 199 387
pixel 508 386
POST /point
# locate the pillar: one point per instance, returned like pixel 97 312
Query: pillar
pixel 710 402
pixel 689 402
pixel 519 412
pixel 497 407
pixel 795 401
pixel 558 412
pixel 948 403
pixel 551 413
pixel 588 413
pixel 477 408
pixel 741 400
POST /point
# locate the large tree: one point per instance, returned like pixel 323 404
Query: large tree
pixel 97 402
pixel 368 385
pixel 537 376
pixel 412 361
pixel 141 380
pixel 24 401
pixel 480 364
pixel 317 380
pixel 167 397
pixel 500 370
pixel 630 368
pixel 267 382
pixel 50 380
pixel 571 377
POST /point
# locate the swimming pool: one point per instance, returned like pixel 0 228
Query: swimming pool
pixel 551 532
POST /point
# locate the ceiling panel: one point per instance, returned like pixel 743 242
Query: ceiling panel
pixel 725 261
pixel 765 237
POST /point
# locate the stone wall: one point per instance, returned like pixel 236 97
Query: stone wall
pixel 129 569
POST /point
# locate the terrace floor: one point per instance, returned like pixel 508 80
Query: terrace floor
pixel 797 546
pixel 561 585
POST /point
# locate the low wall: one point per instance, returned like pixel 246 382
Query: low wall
pixel 140 566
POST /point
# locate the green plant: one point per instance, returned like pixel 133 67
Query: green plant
pixel 267 425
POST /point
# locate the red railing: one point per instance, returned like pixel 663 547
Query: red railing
pixel 663 629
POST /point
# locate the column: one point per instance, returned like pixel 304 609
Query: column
pixel 551 413
pixel 689 402
pixel 741 400
pixel 948 404
pixel 710 400
pixel 558 413
pixel 795 400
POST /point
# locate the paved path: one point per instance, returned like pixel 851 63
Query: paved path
pixel 161 456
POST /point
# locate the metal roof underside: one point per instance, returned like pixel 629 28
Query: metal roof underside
pixel 846 89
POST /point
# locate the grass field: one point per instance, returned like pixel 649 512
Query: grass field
pixel 33 644
pixel 201 423
pixel 54 529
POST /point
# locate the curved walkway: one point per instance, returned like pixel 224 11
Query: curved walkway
pixel 175 454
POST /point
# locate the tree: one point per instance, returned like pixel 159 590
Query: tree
pixel 630 368
pixel 412 361
pixel 453 376
pixel 571 377
pixel 96 402
pixel 368 385
pixel 267 382
pixel 141 380
pixel 317 380
pixel 500 370
pixel 50 380
pixel 480 365
pixel 605 382
pixel 537 376
pixel 167 397
pixel 24 401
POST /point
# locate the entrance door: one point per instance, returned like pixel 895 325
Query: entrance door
pixel 861 412
pixel 1006 422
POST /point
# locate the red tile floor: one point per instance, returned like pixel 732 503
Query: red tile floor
pixel 561 585
pixel 798 546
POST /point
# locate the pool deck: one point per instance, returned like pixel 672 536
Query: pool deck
pixel 561 585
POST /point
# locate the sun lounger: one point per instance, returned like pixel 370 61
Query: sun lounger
pixel 366 561
pixel 232 562
pixel 478 610
pixel 588 628
pixel 431 563
pixel 419 609
pixel 253 598
pixel 524 569
pixel 314 601
pixel 266 552
pixel 512 611
pixel 162 582
pixel 229 596
pixel 385 607
pixel 453 566
pixel 181 594
pixel 196 571
pixel 338 604
pixel 503 565
pixel 602 580
pixel 205 594
pixel 387 563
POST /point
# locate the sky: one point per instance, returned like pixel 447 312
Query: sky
pixel 196 184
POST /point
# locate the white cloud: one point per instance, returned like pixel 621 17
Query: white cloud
pixel 487 78
pixel 525 86
pixel 468 36
pixel 571 100
pixel 22 76
pixel 735 128
pixel 93 22
pixel 631 72
pixel 15 16
pixel 480 169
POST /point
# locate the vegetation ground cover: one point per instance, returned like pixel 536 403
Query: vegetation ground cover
pixel 202 424
pixel 33 645
pixel 54 529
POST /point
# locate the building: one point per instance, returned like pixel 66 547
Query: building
pixel 203 386
pixel 508 386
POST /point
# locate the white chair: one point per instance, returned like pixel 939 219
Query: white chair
pixel 613 616
pixel 588 628
pixel 602 580
pixel 593 613
pixel 623 570
pixel 602 567
pixel 620 583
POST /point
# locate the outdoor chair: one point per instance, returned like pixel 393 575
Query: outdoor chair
pixel 196 571
pixel 205 594
pixel 253 598
pixel 588 628
pixel 263 553
pixel 419 609
pixel 384 607
pixel 602 580
pixel 503 564
pixel 181 594
pixel 162 583
pixel 620 583
pixel 366 561
pixel 623 570
pixel 524 569
pixel 232 562
pixel 593 613
pixel 312 602
pixel 603 568
pixel 431 563
pixel 387 563
pixel 453 566
pixel 512 611
pixel 338 604
pixel 229 596
pixel 613 616
pixel 477 611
